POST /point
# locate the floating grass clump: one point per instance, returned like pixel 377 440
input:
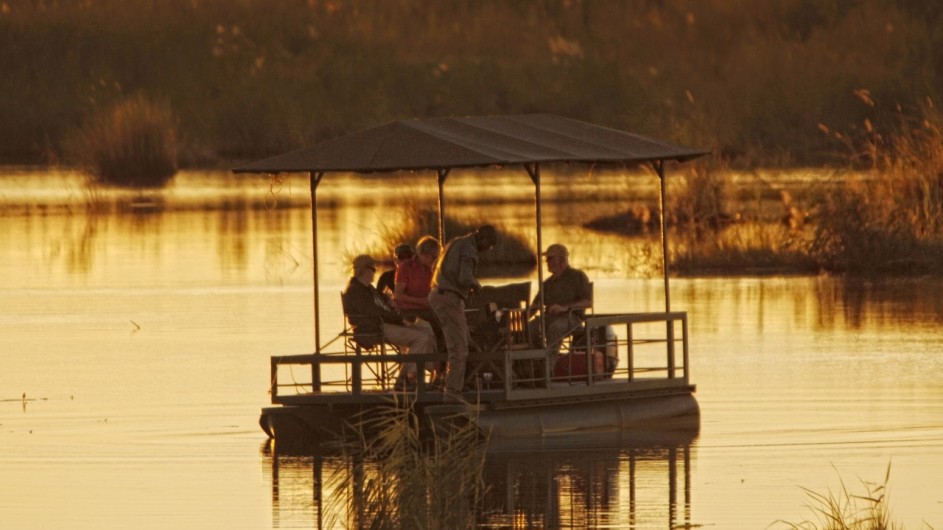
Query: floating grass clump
pixel 133 143
pixel 748 248
pixel 510 255
pixel 409 478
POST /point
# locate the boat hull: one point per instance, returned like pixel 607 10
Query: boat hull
pixel 315 424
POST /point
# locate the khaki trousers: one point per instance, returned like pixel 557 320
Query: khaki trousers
pixel 412 338
pixel 450 309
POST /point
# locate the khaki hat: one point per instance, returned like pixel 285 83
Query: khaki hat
pixel 556 249
pixel 362 261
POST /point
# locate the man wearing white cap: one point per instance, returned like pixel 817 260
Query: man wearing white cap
pixel 567 294
pixel 371 318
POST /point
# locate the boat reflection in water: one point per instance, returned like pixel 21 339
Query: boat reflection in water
pixel 608 480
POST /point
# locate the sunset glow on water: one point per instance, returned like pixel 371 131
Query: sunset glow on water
pixel 136 343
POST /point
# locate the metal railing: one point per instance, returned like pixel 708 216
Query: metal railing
pixel 645 345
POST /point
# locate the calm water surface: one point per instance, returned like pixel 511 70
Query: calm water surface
pixel 140 336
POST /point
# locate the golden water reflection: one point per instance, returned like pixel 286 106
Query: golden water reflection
pixel 629 485
pixel 167 314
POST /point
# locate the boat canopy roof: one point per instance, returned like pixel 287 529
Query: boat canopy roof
pixel 477 141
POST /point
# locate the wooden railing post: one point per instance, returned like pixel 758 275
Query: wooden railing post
pixel 684 348
pixel 355 369
pixel 274 379
pixel 630 351
pixel 671 348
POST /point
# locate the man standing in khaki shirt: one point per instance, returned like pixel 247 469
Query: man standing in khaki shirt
pixel 453 280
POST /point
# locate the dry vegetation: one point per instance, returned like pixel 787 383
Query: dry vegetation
pixel 845 510
pixel 748 80
pixel 132 143
pixel 409 478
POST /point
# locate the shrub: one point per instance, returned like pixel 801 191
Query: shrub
pixel 132 143
pixel 702 202
pixel 890 219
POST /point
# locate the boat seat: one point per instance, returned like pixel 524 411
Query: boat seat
pixel 487 312
pixel 359 343
pixel 497 321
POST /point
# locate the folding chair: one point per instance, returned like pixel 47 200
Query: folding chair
pixel 359 343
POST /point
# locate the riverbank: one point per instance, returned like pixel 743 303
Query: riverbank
pixel 755 223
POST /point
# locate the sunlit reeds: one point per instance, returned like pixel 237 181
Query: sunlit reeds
pixel 711 236
pixel 845 510
pixel 405 475
pixel 888 218
pixel 755 248
pixel 702 200
pixel 132 143
pixel 511 252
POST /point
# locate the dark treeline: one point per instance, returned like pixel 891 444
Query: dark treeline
pixel 758 81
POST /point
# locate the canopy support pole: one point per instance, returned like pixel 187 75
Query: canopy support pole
pixel 441 174
pixel 534 172
pixel 315 179
pixel 659 166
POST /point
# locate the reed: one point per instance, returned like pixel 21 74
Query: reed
pixel 703 198
pixel 510 254
pixel 131 143
pixel 748 248
pixel 411 478
pixel 714 236
pixel 890 220
pixel 849 511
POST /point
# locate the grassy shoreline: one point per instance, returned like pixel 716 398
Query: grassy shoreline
pixel 254 78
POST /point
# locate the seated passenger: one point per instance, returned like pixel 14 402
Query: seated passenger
pixel 567 294
pixel 369 313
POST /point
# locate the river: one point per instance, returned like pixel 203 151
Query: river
pixel 135 331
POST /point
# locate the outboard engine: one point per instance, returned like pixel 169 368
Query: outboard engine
pixel 604 356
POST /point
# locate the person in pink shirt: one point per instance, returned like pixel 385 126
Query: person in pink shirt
pixel 413 282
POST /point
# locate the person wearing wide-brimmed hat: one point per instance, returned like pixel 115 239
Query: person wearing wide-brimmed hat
pixel 453 281
pixel 370 314
pixel 567 294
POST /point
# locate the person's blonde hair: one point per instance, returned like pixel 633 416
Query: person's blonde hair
pixel 428 245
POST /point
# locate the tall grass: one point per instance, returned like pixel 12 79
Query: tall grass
pixel 510 254
pixel 410 479
pixel 255 77
pixel 884 216
pixel 702 201
pixel 748 248
pixel 849 511
pixel 890 220
pixel 132 143
pixel 712 237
